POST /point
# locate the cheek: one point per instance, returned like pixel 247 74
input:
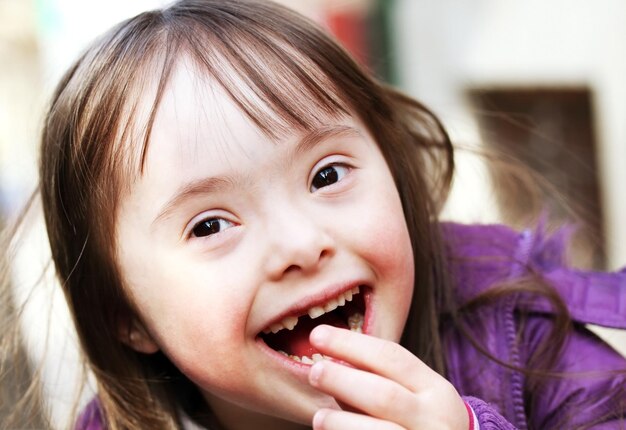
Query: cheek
pixel 385 237
pixel 385 243
pixel 197 320
pixel 391 252
pixel 205 342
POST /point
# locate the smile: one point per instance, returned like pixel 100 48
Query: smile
pixel 290 335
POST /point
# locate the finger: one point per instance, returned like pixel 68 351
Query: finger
pixel 329 419
pixel 379 356
pixel 367 392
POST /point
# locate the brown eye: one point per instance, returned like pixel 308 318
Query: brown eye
pixel 210 226
pixel 328 176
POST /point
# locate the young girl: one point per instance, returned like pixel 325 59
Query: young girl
pixel 244 224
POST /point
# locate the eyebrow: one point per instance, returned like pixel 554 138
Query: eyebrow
pixel 199 187
pixel 212 185
pixel 320 134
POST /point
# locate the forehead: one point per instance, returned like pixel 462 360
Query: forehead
pixel 197 114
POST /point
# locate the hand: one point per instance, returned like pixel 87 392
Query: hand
pixel 384 385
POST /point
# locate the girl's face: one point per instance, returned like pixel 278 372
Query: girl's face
pixel 229 234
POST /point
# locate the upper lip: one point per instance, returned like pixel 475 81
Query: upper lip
pixel 303 305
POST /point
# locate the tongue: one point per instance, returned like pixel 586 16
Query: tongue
pixel 296 341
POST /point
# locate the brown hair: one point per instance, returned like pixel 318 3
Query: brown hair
pixel 86 163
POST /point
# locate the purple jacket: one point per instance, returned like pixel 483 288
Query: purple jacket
pixel 481 256
pixel 484 255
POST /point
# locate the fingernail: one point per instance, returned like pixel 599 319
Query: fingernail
pixel 316 373
pixel 319 335
pixel 318 419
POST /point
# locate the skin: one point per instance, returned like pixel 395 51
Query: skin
pixel 277 241
pixel 409 395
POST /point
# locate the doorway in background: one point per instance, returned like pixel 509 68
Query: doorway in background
pixel 548 131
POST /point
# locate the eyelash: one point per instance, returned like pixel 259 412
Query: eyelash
pixel 210 223
pixel 337 178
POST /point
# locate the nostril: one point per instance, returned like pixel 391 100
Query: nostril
pixel 292 268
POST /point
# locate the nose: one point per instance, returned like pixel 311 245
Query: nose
pixel 298 241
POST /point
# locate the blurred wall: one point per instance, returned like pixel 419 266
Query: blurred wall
pixel 20 100
pixel 447 47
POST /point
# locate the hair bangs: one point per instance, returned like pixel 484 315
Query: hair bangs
pixel 273 83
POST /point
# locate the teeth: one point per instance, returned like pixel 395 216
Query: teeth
pixel 275 328
pixel 331 305
pixel 307 360
pixel 315 312
pixel 355 322
pixel 290 322
pixel 341 300
pixel 348 296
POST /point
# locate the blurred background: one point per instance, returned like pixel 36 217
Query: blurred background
pixel 539 82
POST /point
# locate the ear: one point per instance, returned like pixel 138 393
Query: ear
pixel 133 333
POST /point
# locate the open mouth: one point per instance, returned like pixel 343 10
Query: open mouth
pixel 290 336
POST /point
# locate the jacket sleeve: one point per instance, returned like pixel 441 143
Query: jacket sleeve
pixel 591 390
pixel 589 387
pixel 488 417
